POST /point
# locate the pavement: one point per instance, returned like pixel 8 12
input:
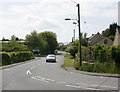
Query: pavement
pixel 72 69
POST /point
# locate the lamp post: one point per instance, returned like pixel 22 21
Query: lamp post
pixel 79 31
pixel 74 31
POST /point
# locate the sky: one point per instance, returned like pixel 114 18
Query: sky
pixel 21 17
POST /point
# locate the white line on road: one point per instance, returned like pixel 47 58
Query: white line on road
pixel 91 89
pixel 50 80
pixel 81 87
pixel 96 85
pixel 61 82
pixel 71 72
pixel 39 79
pixel 33 67
pixel 73 86
pixel 45 78
pixel 28 72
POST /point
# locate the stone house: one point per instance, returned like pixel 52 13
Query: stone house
pixel 98 38
pixel 117 38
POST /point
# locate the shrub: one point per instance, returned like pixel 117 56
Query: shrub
pixel 15 57
pixel 5 58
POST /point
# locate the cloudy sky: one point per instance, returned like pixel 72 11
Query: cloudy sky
pixel 21 17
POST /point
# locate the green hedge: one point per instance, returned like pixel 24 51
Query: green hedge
pixel 15 57
pixel 98 67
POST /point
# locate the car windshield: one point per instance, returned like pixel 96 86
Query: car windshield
pixel 51 56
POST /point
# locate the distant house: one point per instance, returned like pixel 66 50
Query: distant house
pixel 106 41
pixel 117 38
pixel 98 38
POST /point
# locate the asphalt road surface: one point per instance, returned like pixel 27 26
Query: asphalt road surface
pixel 41 75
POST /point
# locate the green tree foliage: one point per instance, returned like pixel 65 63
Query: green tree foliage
pixel 13 46
pixel 14 38
pixel 107 54
pixel 46 42
pixel 84 53
pixel 3 39
pixel 50 40
pixel 100 53
pixel 33 41
pixel 110 32
pixel 83 39
pixel 73 50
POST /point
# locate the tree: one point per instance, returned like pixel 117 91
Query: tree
pixel 13 37
pixel 110 32
pixel 33 41
pixel 83 40
pixel 13 46
pixel 3 39
pixel 50 40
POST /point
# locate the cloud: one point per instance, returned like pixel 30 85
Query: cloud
pixel 41 15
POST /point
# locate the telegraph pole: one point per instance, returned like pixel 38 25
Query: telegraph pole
pixel 79 33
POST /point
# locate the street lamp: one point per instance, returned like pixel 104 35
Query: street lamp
pixel 79 31
pixel 74 31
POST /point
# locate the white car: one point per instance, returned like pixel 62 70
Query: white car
pixel 51 58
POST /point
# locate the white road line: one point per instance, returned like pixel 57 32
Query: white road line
pixel 71 72
pixel 45 78
pixel 39 79
pixel 104 86
pixel 97 85
pixel 81 87
pixel 50 80
pixel 61 82
pixel 82 84
pixel 28 72
pixel 91 89
pixel 33 67
pixel 73 86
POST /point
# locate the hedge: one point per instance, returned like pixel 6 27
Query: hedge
pixel 15 57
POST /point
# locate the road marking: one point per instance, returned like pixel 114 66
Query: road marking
pixel 33 67
pixel 50 80
pixel 82 84
pixel 28 72
pixel 39 79
pixel 73 86
pixel 61 82
pixel 71 72
pixel 45 78
pixel 97 85
pixel 81 87
pixel 104 86
pixel 91 89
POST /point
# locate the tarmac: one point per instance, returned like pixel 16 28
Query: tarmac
pixel 70 69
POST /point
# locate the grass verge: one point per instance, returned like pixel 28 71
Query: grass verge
pixel 68 62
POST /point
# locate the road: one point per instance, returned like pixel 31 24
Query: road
pixel 39 75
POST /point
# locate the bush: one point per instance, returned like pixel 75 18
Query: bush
pixel 98 67
pixel 13 46
pixel 15 57
pixel 5 58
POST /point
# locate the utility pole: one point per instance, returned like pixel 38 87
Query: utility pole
pixel 74 35
pixel 79 33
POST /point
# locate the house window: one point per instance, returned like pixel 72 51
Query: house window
pixel 105 41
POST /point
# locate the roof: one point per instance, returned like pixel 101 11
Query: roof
pixel 95 38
